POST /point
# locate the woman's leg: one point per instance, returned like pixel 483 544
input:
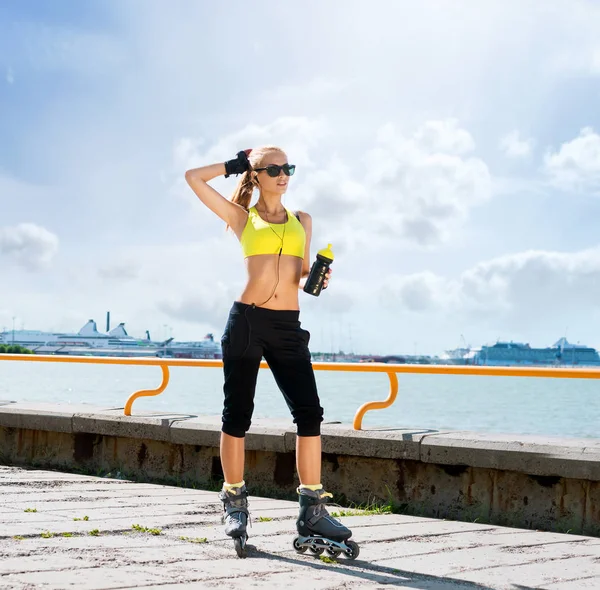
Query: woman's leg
pixel 239 387
pixel 240 384
pixel 232 458
pixel 308 459
pixel 241 363
pixel 234 494
pixel 289 359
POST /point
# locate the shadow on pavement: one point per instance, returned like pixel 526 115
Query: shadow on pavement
pixel 377 573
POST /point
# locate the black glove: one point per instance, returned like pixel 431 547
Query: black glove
pixel 238 165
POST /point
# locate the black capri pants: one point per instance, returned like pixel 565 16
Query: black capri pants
pixel 252 333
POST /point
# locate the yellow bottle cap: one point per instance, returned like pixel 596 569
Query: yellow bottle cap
pixel 326 252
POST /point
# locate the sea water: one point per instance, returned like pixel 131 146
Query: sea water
pixel 519 405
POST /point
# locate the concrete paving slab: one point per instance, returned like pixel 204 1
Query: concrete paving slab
pixel 382 535
pixel 111 507
pixel 17 517
pixel 105 494
pixel 179 553
pixel 263 528
pixel 25 563
pixel 98 578
pixel 396 550
pixel 28 475
pixel 592 583
pixel 385 542
pixel 382 552
pixel 118 497
pixel 539 574
pixel 446 561
pixel 80 545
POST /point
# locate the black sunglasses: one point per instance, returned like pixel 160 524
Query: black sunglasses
pixel 273 170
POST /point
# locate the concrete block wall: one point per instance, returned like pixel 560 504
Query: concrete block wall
pixel 524 481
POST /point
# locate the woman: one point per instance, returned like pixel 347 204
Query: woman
pixel 264 322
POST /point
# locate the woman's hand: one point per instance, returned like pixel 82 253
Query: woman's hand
pixel 238 165
pixel 326 280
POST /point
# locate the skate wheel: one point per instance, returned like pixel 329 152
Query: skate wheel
pixel 299 548
pixel 317 550
pixel 240 547
pixel 352 551
pixel 333 552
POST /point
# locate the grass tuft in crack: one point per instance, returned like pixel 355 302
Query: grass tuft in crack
pixel 142 529
pixel 327 559
pixel 194 540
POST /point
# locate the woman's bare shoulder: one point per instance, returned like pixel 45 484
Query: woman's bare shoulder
pixel 305 218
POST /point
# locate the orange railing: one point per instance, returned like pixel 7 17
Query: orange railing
pixel 391 369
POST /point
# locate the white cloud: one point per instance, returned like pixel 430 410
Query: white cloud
pixel 30 245
pixel 516 147
pixel 527 288
pixel 334 199
pixel 438 136
pixel 205 304
pixel 419 292
pixel 422 187
pixel 573 37
pixel 418 188
pixel 576 164
pixel 414 196
pixel 296 135
pixel 175 284
pixel 341 297
pixel 577 60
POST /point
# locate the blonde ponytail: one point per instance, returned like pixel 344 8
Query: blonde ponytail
pixel 243 191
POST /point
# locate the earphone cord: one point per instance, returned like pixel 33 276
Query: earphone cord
pixel 274 288
pixel 278 258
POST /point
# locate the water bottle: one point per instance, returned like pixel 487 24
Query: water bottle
pixel 318 271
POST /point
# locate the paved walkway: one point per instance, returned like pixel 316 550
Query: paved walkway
pixel 60 530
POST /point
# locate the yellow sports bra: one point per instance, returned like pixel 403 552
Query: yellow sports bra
pixel 260 237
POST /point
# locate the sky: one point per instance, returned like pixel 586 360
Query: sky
pixel 450 152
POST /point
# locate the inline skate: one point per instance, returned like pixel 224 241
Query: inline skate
pixel 235 517
pixel 318 530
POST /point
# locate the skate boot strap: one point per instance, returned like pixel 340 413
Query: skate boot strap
pixel 319 512
pixel 234 503
pixel 237 502
pixel 234 513
pixel 236 507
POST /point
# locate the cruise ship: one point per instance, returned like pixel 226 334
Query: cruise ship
pixel 504 353
pixel 88 341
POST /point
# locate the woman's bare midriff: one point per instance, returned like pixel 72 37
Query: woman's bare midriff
pixel 262 277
